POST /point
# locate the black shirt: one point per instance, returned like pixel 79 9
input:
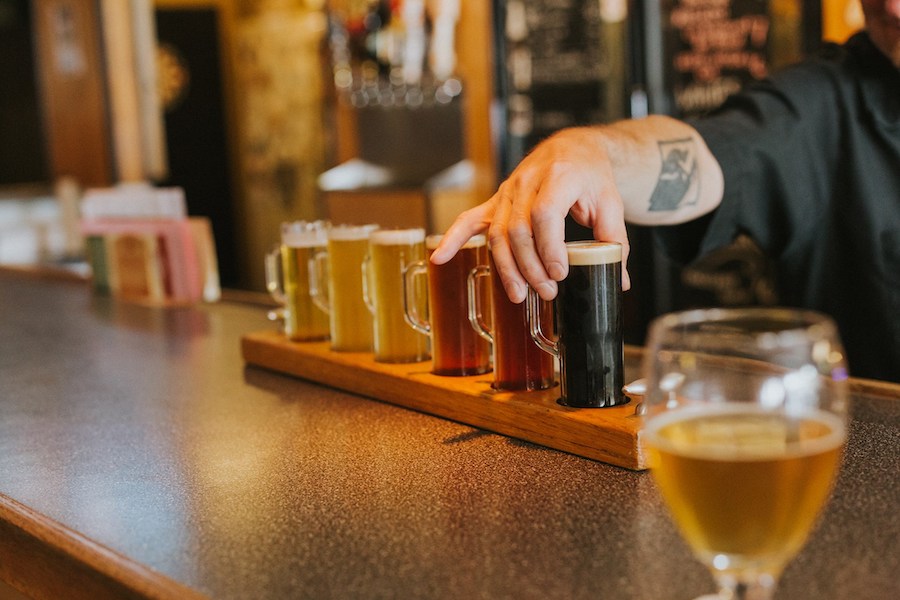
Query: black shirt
pixel 811 160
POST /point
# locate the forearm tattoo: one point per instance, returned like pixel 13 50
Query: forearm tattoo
pixel 679 182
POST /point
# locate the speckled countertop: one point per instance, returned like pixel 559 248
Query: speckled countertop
pixel 141 431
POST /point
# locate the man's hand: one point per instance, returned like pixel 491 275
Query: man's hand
pixel 569 173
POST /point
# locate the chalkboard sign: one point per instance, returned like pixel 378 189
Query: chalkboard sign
pixel 561 63
pixel 713 48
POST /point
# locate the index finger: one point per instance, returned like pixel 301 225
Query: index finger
pixel 548 222
pixel 468 223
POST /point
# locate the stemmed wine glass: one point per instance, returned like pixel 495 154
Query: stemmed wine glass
pixel 744 423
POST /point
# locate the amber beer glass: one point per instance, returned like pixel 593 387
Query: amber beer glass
pixel 391 251
pixel 288 276
pixel 337 287
pixel 518 362
pixel 456 348
pixel 588 309
pixel 745 421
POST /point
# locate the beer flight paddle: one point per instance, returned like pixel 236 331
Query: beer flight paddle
pixel 445 339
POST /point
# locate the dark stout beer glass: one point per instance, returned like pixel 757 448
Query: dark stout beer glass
pixel 589 341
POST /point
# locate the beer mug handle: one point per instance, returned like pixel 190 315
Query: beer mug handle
pixel 475 311
pixel 367 296
pixel 533 310
pixel 410 302
pixel 318 281
pixel 274 275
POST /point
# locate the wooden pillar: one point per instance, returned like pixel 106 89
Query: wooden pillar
pixel 72 94
pixel 476 68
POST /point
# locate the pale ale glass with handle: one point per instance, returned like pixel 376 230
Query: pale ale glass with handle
pixel 288 280
pixel 745 423
pixel 391 251
pixel 336 287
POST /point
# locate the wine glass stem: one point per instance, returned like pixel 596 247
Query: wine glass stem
pixel 760 588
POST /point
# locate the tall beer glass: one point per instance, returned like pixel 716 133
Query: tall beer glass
pixel 588 311
pixel 337 287
pixel 287 279
pixel 518 362
pixel 745 425
pixel 455 347
pixel 391 251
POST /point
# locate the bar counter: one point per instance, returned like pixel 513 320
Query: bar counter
pixel 141 458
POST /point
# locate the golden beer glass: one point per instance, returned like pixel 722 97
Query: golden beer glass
pixel 391 251
pixel 745 423
pixel 337 287
pixel 288 279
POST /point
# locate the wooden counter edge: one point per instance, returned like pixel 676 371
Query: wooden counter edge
pixel 874 387
pixel 44 559
pixel 45 271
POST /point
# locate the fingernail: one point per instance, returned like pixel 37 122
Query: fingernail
pixel 516 292
pixel 546 290
pixel 556 271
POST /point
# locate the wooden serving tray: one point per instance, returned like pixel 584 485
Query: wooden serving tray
pixel 610 435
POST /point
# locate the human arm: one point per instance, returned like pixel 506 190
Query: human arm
pixel 651 171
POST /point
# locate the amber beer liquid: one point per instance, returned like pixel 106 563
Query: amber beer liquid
pixel 456 348
pixel 350 320
pixel 744 482
pixel 518 362
pixel 391 251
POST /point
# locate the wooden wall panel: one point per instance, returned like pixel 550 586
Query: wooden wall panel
pixel 71 80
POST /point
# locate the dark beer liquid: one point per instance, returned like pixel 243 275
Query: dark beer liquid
pixel 589 325
pixel 457 349
pixel 519 364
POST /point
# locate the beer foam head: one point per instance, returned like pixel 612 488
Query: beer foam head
pixel 397 237
pixel 594 253
pixel 348 233
pixel 432 241
pixel 304 234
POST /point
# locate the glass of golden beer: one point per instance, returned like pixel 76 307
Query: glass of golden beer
pixel 744 424
pixel 391 251
pixel 288 279
pixel 336 287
